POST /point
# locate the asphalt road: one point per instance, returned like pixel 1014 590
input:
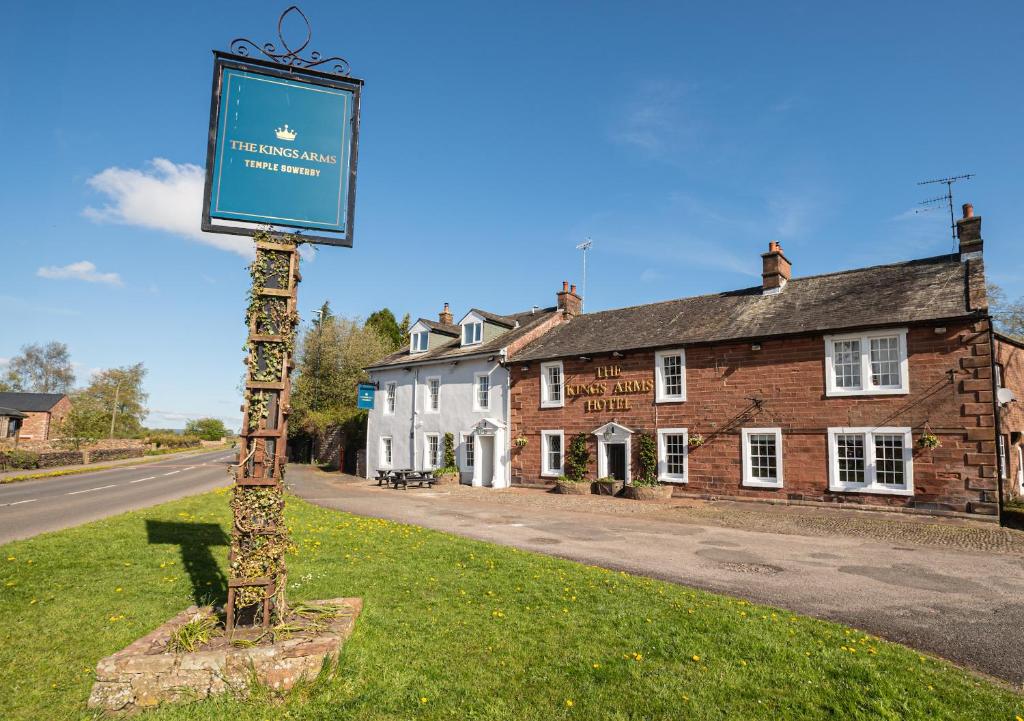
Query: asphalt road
pixel 967 606
pixel 49 504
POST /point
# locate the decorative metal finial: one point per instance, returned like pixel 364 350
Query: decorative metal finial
pixel 287 55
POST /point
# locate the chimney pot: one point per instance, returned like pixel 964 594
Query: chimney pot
pixel 445 316
pixel 568 302
pixel 776 269
pixel 968 232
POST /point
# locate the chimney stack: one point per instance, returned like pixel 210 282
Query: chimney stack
pixel 968 231
pixel 445 316
pixel 568 301
pixel 776 270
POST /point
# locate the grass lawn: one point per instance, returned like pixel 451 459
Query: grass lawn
pixel 454 629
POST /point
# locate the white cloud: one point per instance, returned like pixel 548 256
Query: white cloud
pixel 165 196
pixel 655 120
pixel 82 270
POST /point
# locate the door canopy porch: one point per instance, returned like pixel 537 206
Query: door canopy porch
pixel 613 432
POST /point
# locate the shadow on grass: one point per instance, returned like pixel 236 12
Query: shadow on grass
pixel 209 586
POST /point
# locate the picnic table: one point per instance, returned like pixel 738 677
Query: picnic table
pixel 404 476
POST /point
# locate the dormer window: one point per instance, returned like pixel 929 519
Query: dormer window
pixel 472 333
pixel 419 341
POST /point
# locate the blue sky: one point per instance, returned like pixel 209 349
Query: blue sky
pixel 681 137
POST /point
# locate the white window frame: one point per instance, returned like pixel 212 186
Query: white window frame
pixel 476 392
pixel 472 333
pixel 660 396
pixel 748 477
pixel 545 390
pixel 663 475
pixel 390 398
pixel 430 464
pixel 381 462
pixel 870 485
pixel 866 387
pixel 418 338
pixel 1003 447
pixel 467 440
pixel 428 405
pixel 545 469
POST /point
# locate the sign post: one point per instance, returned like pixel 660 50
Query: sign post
pixel 281 167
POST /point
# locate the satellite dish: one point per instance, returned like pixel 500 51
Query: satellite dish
pixel 1004 396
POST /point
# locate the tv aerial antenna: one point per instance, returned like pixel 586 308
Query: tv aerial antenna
pixel 934 203
pixel 584 246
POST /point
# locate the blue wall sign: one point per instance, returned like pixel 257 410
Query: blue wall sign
pixel 282 150
pixel 366 394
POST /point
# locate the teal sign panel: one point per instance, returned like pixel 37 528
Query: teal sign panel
pixel 282 150
pixel 365 396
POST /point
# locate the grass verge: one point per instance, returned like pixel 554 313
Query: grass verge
pixel 454 628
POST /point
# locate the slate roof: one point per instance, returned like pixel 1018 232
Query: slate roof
pixel 440 327
pixel 884 295
pixel 30 402
pixel 507 321
pixel 453 350
pixel 11 413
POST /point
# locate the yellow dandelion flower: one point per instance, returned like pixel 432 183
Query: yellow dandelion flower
pixel 695 658
pixel 423 699
pixel 568 703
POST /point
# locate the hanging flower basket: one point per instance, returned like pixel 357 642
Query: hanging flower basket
pixel 521 441
pixel 929 441
pixel 696 440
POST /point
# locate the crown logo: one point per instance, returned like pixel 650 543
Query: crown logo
pixel 285 133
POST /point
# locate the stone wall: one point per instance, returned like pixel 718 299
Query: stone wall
pixel 949 366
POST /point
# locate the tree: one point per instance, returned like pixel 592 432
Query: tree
pixel 87 421
pixel 42 369
pixel 209 429
pixel 1008 317
pixel 577 460
pixel 118 392
pixel 330 361
pixel 403 329
pixel 383 321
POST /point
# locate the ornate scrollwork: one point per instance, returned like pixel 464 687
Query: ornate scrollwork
pixel 288 55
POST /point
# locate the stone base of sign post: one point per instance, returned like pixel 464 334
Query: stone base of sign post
pixel 147 674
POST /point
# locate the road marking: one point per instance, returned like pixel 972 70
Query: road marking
pixel 172 473
pixel 188 469
pixel 15 503
pixel 88 490
pixel 140 480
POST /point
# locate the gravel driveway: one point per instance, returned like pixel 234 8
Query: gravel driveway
pixel 952 588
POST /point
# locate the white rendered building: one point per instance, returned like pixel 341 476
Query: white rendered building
pixel 452 379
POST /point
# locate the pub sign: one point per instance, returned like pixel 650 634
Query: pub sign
pixel 365 396
pixel 282 150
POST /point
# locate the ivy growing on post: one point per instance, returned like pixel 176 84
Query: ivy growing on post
pixel 259 538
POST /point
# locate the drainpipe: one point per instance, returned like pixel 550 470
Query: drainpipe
pixel 508 418
pixel 997 423
pixel 412 418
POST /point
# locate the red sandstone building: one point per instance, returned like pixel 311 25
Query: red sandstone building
pixel 38 415
pixel 814 389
